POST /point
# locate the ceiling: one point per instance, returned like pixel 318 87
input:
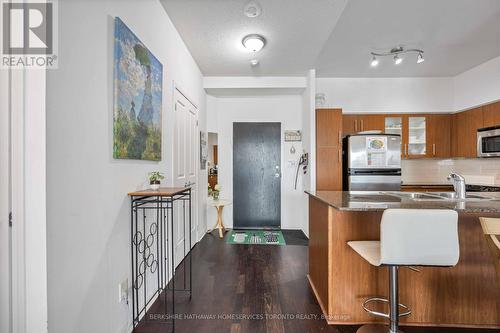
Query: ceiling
pixel 336 36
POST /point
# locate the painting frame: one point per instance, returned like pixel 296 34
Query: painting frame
pixel 137 82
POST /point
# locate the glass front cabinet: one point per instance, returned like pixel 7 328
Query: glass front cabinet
pixel 413 131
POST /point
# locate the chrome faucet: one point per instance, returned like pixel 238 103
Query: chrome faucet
pixel 458 184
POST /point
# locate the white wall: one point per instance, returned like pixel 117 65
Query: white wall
pixel 405 95
pixel 284 109
pixel 211 116
pixel 477 86
pixel 88 207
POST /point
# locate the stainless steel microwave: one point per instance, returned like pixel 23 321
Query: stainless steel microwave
pixel 488 142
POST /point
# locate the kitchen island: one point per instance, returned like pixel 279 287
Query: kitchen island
pixel 462 296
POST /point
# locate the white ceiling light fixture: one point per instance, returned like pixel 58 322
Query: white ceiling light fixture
pixel 396 54
pixel 254 42
pixel 252 9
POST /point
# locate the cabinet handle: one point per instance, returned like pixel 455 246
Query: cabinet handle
pixel 433 149
pixel 355 125
pixel 362 125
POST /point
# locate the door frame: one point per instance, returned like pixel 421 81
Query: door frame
pixel 26 196
pixel 281 161
pixel 5 205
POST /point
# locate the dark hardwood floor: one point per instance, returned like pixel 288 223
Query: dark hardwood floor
pixel 249 288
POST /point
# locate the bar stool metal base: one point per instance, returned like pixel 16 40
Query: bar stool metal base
pixel 376 328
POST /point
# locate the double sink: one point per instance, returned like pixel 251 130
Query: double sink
pixel 437 196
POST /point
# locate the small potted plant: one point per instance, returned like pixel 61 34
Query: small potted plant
pixel 216 192
pixel 155 178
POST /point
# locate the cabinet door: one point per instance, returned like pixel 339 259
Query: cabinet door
pixel 329 149
pixel 328 128
pixel 328 169
pixel 372 122
pixel 349 124
pixel 464 132
pixel 491 115
pixel 393 125
pixel 416 136
pixel 439 135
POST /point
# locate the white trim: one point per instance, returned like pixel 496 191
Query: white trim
pixel 17 193
pixel 28 190
pixel 5 241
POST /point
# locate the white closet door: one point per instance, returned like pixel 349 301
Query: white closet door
pixel 186 145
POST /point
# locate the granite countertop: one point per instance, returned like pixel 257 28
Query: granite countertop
pixel 379 201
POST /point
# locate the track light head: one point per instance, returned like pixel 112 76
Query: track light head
pixel 397 60
pixel 420 58
pixel 374 62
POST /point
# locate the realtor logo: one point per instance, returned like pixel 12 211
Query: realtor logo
pixel 28 34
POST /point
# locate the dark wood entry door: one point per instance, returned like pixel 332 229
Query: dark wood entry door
pixel 257 175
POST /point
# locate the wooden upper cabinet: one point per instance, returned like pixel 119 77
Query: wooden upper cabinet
pixel 491 115
pixel 464 132
pixel 329 149
pixel 374 122
pixel 352 124
pixel 439 135
pixel 349 124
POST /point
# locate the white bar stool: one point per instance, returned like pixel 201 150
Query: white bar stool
pixel 408 237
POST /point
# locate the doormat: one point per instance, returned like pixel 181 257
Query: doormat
pixel 255 237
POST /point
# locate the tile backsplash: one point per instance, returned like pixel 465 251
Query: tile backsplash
pixel 484 171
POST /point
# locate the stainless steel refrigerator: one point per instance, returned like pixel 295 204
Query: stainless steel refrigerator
pixel 371 162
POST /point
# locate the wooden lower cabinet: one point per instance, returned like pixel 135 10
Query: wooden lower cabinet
pixel 427 188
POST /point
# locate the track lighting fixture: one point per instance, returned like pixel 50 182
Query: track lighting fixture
pixel 396 53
